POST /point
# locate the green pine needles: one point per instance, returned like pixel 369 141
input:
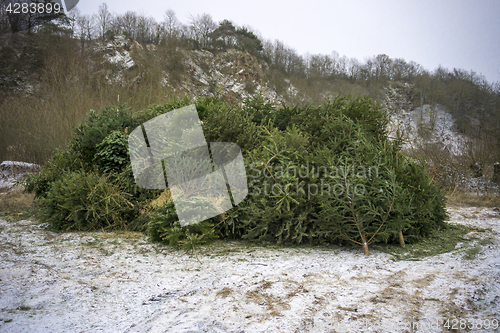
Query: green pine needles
pixel 330 174
pixel 316 174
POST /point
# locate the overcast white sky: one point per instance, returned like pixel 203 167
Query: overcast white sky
pixel 452 33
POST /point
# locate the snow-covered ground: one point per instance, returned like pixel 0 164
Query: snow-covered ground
pixel 12 170
pixel 120 282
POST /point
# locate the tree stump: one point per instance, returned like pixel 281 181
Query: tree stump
pixel 401 239
pixel 496 173
pixel 477 169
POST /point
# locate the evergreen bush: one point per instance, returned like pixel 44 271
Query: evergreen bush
pixel 96 157
pixel 227 123
pixel 112 153
pixel 317 174
pixel 82 200
pixel 60 163
pixel 165 227
pixel 88 136
pixel 348 180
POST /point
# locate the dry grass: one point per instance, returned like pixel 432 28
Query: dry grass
pixel 37 120
pixel 459 198
pixel 16 203
pixel 164 197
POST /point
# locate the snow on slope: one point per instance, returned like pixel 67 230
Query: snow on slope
pixel 225 73
pixel 118 52
pixel 435 122
pixel 228 73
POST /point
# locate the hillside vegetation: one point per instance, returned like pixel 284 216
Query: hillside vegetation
pixel 62 69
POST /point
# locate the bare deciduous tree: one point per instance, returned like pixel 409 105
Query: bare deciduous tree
pixel 128 23
pixel 145 29
pixel 4 18
pixel 103 20
pixel 171 25
pixel 84 29
pixel 201 27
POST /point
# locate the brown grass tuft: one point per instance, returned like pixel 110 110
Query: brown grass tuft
pixel 16 203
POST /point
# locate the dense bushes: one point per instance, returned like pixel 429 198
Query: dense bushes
pixel 85 201
pixel 319 174
pixel 333 175
pixel 90 185
pixel 165 227
pixel 112 152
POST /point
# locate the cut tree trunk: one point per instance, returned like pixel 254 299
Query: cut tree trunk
pixel 365 249
pixel 401 239
pixel 365 245
pixel 496 173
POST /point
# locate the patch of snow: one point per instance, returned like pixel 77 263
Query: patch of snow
pixel 292 91
pixel 122 283
pixel 165 79
pixel 238 88
pixel 435 120
pixel 10 171
pixel 122 58
pixel 5 165
pixel 117 52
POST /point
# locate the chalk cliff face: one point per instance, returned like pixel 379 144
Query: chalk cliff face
pixel 234 74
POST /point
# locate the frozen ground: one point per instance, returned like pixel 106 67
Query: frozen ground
pixel 11 170
pixel 119 282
